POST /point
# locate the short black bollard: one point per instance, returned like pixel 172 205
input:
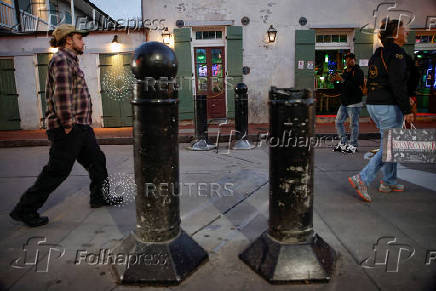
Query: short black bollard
pixel 200 142
pixel 241 118
pixel 158 251
pixel 289 250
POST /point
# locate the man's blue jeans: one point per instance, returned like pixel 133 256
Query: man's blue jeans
pixel 384 116
pixel 343 113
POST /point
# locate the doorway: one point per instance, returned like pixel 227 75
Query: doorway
pixel 209 79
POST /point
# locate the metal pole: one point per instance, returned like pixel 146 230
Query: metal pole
pixel 18 15
pixel 73 14
pixel 289 250
pixel 200 142
pixel 241 118
pixel 160 251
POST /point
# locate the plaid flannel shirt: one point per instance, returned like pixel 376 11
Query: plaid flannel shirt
pixel 66 94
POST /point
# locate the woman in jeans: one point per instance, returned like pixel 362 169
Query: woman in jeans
pixel 387 103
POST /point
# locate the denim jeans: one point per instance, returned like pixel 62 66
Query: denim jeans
pixel 384 116
pixel 343 113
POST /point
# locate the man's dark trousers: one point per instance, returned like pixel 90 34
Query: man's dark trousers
pixel 81 145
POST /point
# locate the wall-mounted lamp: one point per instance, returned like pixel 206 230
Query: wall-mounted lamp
pixel 53 50
pixel 115 45
pixel 272 33
pixel 166 36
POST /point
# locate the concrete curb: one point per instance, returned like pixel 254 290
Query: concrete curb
pixel 182 139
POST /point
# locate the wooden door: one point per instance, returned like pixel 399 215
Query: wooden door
pixel 209 79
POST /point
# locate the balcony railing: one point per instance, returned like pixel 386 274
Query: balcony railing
pixel 29 22
pixel 7 15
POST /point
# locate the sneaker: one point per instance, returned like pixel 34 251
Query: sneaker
pixel 360 187
pixel 31 219
pixel 350 149
pixel 389 188
pixel 340 147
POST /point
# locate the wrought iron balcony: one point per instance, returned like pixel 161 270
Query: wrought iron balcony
pixel 29 22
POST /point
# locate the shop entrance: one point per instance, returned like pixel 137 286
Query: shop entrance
pixel 209 79
pixel 327 63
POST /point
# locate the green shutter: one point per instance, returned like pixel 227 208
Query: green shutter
pixel 363 42
pixel 409 46
pixel 126 107
pixel 304 51
pixel 9 112
pixel 117 110
pixel 234 65
pixel 42 63
pixel 182 48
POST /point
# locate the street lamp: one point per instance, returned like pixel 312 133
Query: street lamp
pixel 272 33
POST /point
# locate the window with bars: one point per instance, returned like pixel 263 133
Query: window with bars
pixel 331 38
pixel 208 35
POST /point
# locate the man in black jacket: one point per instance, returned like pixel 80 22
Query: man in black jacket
pixel 350 86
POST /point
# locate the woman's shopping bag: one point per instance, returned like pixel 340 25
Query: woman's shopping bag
pixel 414 145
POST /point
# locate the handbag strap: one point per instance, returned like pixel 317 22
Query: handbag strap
pixel 412 126
pixel 383 60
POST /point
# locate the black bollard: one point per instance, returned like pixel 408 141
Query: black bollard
pixel 289 250
pixel 158 251
pixel 241 118
pixel 200 142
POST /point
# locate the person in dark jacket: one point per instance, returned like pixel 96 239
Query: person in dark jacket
pixel 350 85
pixel 387 103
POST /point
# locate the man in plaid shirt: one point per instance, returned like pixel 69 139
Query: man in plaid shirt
pixel 68 117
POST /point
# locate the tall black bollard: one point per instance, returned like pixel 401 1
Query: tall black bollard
pixel 200 142
pixel 289 250
pixel 241 118
pixel 158 251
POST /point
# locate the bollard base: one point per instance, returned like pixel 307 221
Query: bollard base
pixel 157 263
pixel 201 145
pixel 242 144
pixel 282 263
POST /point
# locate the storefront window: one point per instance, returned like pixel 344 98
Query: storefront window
pixel 426 39
pixel 425 61
pixel 328 62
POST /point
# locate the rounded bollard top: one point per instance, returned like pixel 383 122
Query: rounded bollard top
pixel 241 88
pixel 154 59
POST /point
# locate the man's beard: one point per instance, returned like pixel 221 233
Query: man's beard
pixel 78 51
